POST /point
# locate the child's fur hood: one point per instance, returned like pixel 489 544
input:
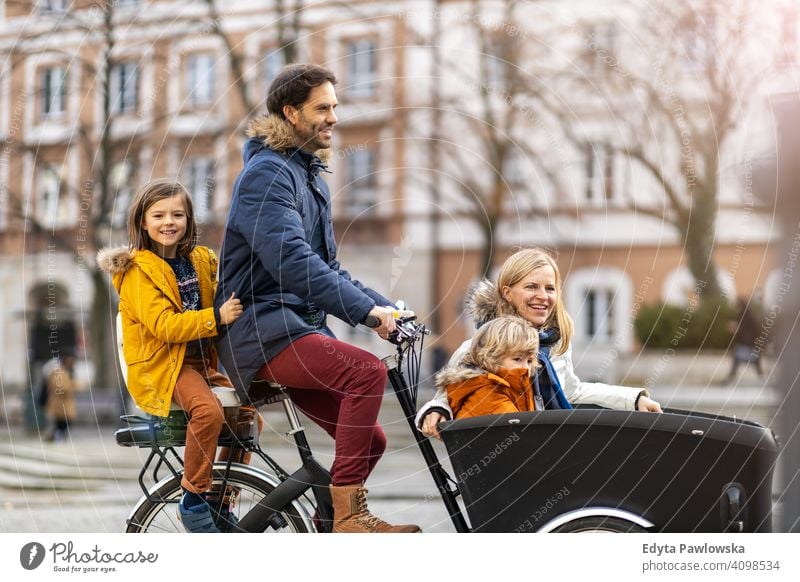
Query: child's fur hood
pixel 457 374
pixel 278 135
pixel 115 260
pixel 481 302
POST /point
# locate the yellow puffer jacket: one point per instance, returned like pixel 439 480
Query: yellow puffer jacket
pixel 155 329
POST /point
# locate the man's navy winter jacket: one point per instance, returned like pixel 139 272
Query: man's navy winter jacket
pixel 279 255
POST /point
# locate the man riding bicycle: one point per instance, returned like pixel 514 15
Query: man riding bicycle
pixel 279 257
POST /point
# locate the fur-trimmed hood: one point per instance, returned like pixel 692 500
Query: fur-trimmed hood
pixel 277 134
pixel 457 374
pixel 475 392
pixel 481 302
pixel 115 260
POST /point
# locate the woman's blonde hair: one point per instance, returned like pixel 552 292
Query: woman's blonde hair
pixel 151 193
pixel 503 337
pixel 515 269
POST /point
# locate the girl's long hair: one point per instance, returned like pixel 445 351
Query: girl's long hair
pixel 151 193
pixel 515 269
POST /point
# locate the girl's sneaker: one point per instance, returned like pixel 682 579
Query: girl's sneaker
pixel 196 519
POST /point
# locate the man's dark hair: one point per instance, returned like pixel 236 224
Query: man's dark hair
pixel 293 85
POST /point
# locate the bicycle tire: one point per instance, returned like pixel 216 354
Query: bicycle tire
pixel 600 524
pixel 161 517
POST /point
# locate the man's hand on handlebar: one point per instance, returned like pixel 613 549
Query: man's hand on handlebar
pixel 429 423
pixel 385 323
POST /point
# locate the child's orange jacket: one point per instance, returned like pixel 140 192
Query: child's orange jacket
pixel 476 392
pixel 155 329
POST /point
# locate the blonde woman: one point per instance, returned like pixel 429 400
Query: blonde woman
pixel 529 285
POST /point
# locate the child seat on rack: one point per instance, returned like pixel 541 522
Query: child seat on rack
pixel 146 430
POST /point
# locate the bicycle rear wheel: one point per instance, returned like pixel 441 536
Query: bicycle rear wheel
pixel 161 517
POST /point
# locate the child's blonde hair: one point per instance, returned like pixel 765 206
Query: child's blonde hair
pixel 151 193
pixel 515 269
pixel 503 337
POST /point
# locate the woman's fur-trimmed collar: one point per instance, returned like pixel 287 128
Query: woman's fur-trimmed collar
pixel 481 302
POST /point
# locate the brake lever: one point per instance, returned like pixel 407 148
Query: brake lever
pixel 405 330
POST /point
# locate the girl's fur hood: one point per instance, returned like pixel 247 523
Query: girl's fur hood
pixel 278 135
pixel 115 260
pixel 481 302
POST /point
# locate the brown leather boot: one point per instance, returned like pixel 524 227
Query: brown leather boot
pixel 350 513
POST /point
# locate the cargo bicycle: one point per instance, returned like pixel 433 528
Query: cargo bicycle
pixel 581 470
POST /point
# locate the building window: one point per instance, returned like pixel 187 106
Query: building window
pixel 53 91
pixel 788 48
pixel 697 41
pixel 361 174
pixel 600 47
pixel 497 61
pixel 514 173
pixel 362 68
pixel 599 313
pixel 52 206
pixel 600 184
pixel 124 87
pixel 121 182
pixel 199 178
pixel 200 79
pixel 273 63
pixel 3 192
pixel 53 6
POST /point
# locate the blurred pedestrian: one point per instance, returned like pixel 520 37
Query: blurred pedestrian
pixel 745 329
pixel 58 395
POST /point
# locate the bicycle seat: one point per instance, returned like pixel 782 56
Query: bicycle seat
pixel 145 430
pixel 263 392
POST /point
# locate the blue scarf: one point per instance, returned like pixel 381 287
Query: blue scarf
pixel 546 384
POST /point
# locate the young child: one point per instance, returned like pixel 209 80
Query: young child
pixel 495 377
pixel 166 286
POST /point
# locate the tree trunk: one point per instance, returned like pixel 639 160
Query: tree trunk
pixel 487 254
pixel 700 237
pixel 104 354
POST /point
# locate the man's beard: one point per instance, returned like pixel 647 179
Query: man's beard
pixel 308 137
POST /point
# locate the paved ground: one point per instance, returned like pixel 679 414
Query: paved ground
pixel 88 483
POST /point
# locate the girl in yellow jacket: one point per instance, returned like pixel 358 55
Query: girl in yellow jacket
pixel 166 286
pixel 495 377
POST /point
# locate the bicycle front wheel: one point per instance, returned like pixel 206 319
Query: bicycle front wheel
pixel 162 516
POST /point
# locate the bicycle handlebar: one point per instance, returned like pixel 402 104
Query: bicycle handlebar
pixel 405 331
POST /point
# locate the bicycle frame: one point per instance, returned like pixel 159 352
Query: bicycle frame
pixel 289 488
pixel 448 488
pixel 311 475
pixel 440 476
